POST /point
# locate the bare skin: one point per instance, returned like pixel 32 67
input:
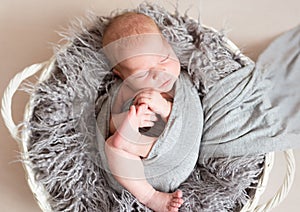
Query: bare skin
pixel 123 152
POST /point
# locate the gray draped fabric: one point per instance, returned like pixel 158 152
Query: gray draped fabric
pixel 256 109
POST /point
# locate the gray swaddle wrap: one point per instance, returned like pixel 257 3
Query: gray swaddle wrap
pixel 175 153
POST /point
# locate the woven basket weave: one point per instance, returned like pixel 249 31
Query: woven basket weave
pixel 39 191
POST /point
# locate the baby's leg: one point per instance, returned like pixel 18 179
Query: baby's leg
pixel 128 170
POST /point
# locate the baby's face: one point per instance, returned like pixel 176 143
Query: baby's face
pixel 150 71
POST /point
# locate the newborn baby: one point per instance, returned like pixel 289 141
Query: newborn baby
pixel 150 72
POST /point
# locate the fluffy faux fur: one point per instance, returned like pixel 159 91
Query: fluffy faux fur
pixel 62 135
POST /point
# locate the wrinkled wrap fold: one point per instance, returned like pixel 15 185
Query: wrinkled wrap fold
pixel 175 153
pixel 256 109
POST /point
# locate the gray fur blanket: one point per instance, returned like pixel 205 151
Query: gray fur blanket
pixel 62 130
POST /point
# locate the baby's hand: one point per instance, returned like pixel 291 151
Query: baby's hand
pixel 140 116
pixel 144 116
pixel 155 102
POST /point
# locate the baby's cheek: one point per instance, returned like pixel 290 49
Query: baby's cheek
pixel 178 68
pixel 175 69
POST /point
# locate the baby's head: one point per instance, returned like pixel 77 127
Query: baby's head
pixel 128 24
pixel 146 59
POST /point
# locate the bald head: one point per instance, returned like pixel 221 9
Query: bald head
pixel 128 24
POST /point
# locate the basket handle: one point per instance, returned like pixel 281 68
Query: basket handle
pixel 10 91
pixel 285 187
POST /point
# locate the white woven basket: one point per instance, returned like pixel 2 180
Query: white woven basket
pixel 42 196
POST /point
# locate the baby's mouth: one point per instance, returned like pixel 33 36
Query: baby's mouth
pixel 166 83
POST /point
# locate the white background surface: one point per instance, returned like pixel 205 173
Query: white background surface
pixel 27 29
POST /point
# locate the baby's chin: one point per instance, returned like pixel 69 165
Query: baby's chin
pixel 166 88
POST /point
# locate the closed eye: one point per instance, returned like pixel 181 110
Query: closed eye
pixel 165 59
pixel 142 74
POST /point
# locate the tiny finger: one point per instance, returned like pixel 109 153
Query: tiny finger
pixel 143 101
pixel 141 109
pixel 149 112
pixel 132 110
pixel 147 124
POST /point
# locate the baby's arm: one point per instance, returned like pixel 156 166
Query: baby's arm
pixel 157 103
pixel 126 135
pixel 115 121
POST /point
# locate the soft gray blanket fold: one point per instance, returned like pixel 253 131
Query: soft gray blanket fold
pixel 175 153
pixel 256 109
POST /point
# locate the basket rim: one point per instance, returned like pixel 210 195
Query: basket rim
pixel 38 190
